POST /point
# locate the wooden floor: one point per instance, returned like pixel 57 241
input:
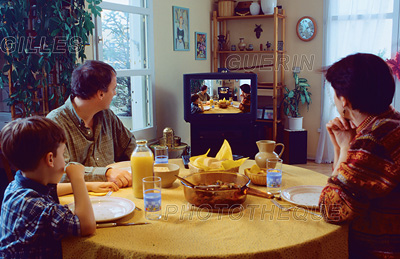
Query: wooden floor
pixel 325 169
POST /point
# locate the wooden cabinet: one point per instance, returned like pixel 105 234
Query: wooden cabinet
pixel 269 92
pixel 295 142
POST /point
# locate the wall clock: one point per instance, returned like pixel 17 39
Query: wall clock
pixel 306 28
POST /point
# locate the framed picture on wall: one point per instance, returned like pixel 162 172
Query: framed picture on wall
pixel 201 45
pixel 181 28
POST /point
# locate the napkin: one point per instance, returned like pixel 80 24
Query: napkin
pixel 224 155
pixel 225 152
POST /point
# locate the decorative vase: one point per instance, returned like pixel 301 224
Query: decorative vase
pixel 254 8
pixel 241 45
pixel 295 123
pixel 266 150
pixel 268 6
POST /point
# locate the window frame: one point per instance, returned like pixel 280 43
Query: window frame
pixel 149 132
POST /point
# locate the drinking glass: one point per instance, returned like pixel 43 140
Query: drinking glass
pixel 274 175
pixel 152 197
pixel 161 155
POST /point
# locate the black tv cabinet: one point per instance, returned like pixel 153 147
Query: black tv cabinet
pixel 211 134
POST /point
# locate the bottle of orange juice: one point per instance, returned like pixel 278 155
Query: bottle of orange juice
pixel 142 166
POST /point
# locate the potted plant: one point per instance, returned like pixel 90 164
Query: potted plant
pixel 42 42
pixel 292 100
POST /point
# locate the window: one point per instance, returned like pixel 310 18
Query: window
pixel 124 34
pixel 351 26
pixel 360 26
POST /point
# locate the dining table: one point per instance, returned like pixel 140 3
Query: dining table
pixel 259 229
pixel 230 108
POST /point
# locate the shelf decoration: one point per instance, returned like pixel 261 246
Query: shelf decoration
pixel 181 28
pixel 258 31
pixel 394 64
pixel 273 94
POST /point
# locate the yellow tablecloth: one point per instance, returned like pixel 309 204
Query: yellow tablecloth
pixel 259 231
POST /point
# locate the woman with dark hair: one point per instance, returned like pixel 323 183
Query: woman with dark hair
pixel 364 187
pixel 245 103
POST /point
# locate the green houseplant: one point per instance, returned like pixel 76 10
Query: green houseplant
pixel 41 43
pixel 293 98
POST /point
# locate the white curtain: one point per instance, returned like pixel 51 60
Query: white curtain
pixel 352 26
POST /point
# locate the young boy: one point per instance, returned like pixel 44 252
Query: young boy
pixel 194 106
pixel 32 220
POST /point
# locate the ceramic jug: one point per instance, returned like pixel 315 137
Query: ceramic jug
pixel 266 150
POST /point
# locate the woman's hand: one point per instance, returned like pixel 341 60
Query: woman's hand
pixel 101 186
pixel 344 137
pixel 341 132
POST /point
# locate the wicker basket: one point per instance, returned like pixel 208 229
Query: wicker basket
pixel 258 179
pixel 226 7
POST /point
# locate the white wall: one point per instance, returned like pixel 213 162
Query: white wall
pixel 170 65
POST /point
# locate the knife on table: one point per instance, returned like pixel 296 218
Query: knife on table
pixel 115 224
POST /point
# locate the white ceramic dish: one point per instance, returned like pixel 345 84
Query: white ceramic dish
pixel 109 208
pixel 303 195
pixel 206 107
pixel 168 177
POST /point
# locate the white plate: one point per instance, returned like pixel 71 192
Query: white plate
pixel 303 195
pixel 206 107
pixel 109 208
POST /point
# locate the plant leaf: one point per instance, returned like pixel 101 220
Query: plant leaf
pixel 303 99
pixel 6 68
pixel 308 98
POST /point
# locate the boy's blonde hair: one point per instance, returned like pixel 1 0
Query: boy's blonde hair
pixel 25 141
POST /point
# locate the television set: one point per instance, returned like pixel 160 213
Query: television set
pixel 220 86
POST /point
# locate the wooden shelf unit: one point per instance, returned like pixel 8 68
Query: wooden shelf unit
pixel 219 56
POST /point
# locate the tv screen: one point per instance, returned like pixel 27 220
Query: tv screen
pixel 221 95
